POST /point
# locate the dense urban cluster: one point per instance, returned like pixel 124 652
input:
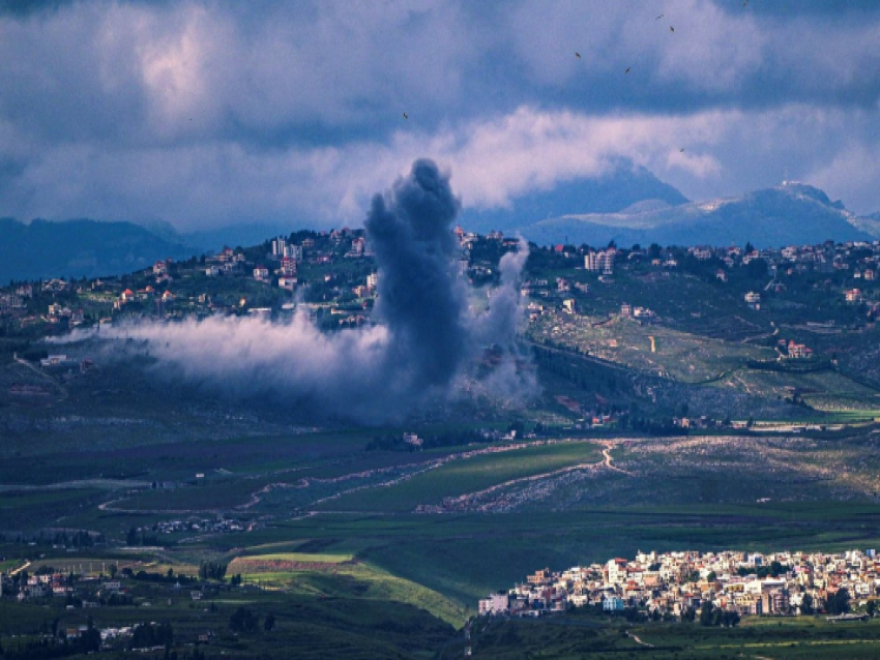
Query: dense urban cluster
pixel 680 584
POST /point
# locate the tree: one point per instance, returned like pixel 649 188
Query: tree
pixel 807 604
pixel 150 634
pixel 730 618
pixel 756 269
pixel 838 603
pixel 706 614
pixel 212 570
pixel 243 620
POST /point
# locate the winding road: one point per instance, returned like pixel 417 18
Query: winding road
pixel 607 454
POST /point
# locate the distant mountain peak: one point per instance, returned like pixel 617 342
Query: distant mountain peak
pixel 808 191
pixel 619 190
pixel 792 213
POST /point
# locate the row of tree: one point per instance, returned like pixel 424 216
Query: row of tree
pixel 244 620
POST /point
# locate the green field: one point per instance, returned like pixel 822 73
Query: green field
pixel 575 637
pixel 460 477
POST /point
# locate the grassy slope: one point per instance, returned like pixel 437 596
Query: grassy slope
pixel 465 476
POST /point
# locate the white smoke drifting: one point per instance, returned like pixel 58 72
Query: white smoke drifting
pixel 426 339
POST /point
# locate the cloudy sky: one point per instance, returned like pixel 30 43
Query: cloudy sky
pixel 204 113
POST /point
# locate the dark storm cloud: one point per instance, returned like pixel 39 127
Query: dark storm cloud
pixel 426 338
pixel 211 113
pixel 23 8
pixel 721 55
pixel 819 9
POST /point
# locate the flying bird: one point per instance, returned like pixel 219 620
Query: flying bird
pixel 405 116
pixel 659 17
pixel 671 29
pixel 627 70
pixel 681 151
pixel 577 55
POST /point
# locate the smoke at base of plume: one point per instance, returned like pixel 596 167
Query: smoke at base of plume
pixel 425 341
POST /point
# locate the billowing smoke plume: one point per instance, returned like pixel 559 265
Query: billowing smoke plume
pixel 422 301
pixel 425 338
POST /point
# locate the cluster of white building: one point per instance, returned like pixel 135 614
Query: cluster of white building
pixel 197 525
pixel 600 262
pixel 674 582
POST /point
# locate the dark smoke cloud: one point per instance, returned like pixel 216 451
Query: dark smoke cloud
pixel 422 301
pixel 424 343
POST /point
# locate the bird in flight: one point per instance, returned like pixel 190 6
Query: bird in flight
pixel 659 17
pixel 577 55
pixel 405 116
pixel 681 151
pixel 671 29
pixel 746 3
pixel 627 70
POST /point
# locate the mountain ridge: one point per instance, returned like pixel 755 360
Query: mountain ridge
pixel 624 186
pixel 791 213
pixel 43 249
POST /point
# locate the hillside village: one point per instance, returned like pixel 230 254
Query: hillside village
pixel 681 583
pixel 92 590
pixel 792 301
pixel 334 274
